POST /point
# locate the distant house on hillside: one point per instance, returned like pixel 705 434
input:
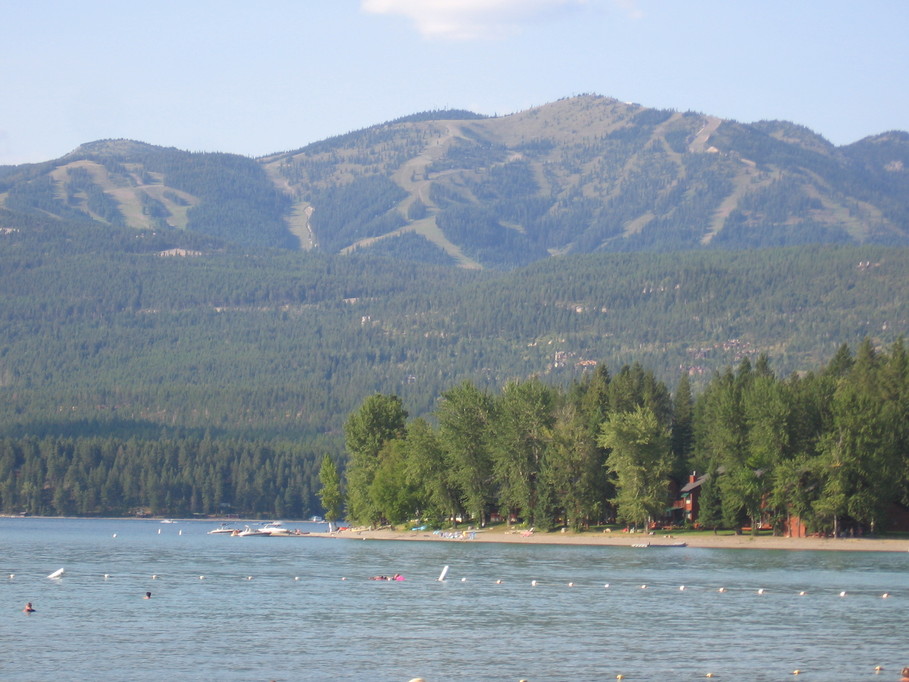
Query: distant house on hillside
pixel 182 253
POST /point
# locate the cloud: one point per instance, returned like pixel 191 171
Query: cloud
pixel 471 19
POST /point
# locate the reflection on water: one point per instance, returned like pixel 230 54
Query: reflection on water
pixel 231 608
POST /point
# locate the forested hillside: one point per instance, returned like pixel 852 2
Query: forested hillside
pixel 122 183
pixel 589 174
pixel 179 331
pixel 582 175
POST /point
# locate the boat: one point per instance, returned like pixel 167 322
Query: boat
pixel 223 529
pixel 647 545
pixel 276 528
pixel 250 532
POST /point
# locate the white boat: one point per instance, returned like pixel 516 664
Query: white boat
pixel 276 528
pixel 223 529
pixel 250 532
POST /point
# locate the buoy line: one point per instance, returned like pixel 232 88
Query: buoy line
pixel 62 574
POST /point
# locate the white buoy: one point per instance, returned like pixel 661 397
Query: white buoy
pixel 802 593
pixel 883 596
pixel 298 577
pixel 201 577
pixel 722 589
pixel 13 575
pixel 606 586
pixel 681 588
pixel 180 532
pixel 463 580
pixel 56 574
pixel 154 576
pixel 643 587
pixel 114 535
pixel 843 593
pixel 159 531
pixel 498 582
pixel 106 576
pixel 761 591
pixel 533 583
pixel 249 577
pixel 570 584
pixel 443 574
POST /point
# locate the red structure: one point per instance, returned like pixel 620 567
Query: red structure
pixel 685 507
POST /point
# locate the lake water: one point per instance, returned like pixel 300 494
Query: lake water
pixel 279 609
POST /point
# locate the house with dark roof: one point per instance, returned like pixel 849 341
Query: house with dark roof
pixel 685 507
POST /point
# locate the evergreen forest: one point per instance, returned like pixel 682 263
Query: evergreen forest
pixel 829 447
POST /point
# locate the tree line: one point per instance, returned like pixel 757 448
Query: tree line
pixel 166 475
pixel 830 447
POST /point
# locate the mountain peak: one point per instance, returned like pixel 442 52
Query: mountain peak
pixel 111 148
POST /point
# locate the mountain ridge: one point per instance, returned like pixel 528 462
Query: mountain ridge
pixel 578 175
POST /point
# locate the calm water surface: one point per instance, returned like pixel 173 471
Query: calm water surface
pixel 279 609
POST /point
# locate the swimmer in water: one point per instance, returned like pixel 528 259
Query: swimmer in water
pixel 28 608
pixel 147 595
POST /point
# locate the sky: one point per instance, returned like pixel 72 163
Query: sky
pixel 254 77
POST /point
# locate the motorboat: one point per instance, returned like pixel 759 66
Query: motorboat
pixel 250 532
pixel 276 528
pixel 223 529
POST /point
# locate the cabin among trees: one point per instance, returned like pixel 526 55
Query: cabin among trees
pixel 685 508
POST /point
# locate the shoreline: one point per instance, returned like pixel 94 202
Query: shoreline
pixel 591 539
pixel 504 535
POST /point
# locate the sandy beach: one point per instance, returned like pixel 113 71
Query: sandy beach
pixel 723 540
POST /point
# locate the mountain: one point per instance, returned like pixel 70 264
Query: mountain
pixel 581 175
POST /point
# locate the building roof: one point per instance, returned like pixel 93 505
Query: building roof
pixel 691 485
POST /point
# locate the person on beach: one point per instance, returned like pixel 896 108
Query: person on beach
pixel 28 608
pixel 905 674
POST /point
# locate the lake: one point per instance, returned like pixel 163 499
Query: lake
pixel 258 608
